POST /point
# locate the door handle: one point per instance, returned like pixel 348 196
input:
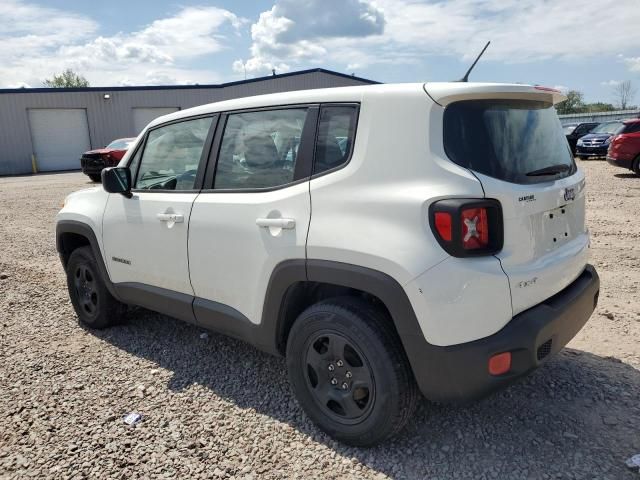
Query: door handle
pixel 170 217
pixel 284 223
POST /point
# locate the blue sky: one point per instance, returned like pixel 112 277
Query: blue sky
pixel 165 42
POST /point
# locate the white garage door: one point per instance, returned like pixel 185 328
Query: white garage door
pixel 59 136
pixel 142 116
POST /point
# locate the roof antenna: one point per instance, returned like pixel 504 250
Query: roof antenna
pixel 466 75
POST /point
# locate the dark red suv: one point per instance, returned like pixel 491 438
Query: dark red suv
pixel 624 149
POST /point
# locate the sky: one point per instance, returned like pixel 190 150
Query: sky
pixel 585 45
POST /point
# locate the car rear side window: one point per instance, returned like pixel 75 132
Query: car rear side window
pixel 172 155
pixel 631 128
pixel 507 139
pixel 336 133
pixel 259 149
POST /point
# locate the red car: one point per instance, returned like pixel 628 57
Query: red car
pixel 93 161
pixel 624 149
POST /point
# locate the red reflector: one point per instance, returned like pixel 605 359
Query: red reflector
pixel 500 363
pixel 475 228
pixel 443 225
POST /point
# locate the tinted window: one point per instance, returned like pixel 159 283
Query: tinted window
pixel 336 132
pixel 506 139
pixel 259 149
pixel 631 128
pixel 172 154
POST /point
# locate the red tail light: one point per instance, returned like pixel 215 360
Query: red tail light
pixel 475 228
pixel 467 227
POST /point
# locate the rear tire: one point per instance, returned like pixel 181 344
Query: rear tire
pixel 349 371
pixel 92 301
pixel 636 165
pixel 95 177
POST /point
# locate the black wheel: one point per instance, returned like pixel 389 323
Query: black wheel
pixel 636 165
pixel 95 177
pixel 349 371
pixel 94 305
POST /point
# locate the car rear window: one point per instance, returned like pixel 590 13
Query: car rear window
pixel 506 139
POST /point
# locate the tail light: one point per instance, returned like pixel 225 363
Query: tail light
pixel 467 227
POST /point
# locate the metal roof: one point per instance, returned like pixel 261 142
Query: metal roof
pixel 185 87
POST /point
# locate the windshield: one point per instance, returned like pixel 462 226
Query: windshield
pixel 609 127
pixel 506 139
pixel 121 144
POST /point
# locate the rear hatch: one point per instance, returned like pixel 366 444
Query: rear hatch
pixel 510 138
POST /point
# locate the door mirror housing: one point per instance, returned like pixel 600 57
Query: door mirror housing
pixel 117 180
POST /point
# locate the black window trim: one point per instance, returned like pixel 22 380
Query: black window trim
pixel 204 156
pixel 356 105
pixel 304 161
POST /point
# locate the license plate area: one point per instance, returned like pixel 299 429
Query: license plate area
pixel 559 225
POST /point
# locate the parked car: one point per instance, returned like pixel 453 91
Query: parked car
pixel 93 161
pixel 574 131
pixel 624 149
pixel 596 143
pixel 432 261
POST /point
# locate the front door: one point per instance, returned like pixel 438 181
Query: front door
pixel 256 212
pixel 145 236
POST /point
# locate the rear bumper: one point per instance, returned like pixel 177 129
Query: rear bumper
pixel 617 162
pixel 459 373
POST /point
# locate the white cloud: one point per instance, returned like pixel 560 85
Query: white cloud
pixel 155 54
pixel 633 63
pixel 405 31
pixel 610 83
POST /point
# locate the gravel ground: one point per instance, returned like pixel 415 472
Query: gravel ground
pixel 216 408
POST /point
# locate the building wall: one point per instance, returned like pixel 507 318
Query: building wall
pixel 113 118
pixel 598 116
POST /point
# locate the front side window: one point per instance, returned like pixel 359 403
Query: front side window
pixel 509 140
pixel 171 156
pixel 259 149
pixel 336 132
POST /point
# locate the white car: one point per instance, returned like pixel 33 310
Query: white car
pixel 387 240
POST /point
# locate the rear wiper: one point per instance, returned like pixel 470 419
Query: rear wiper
pixel 550 170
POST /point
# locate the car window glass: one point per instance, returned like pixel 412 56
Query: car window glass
pixel 631 128
pixel 336 132
pixel 134 162
pixel 171 156
pixel 259 149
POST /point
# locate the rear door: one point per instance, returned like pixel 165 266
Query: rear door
pixel 255 210
pixel 517 150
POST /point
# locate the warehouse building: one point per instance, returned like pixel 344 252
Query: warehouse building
pixel 47 129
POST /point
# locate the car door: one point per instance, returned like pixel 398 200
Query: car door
pixel 145 236
pixel 255 212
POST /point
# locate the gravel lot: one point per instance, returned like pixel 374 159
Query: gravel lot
pixel 216 408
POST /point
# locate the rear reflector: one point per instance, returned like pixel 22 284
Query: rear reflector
pixel 443 225
pixel 475 228
pixel 500 363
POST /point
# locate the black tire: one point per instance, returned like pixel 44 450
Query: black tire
pixel 95 177
pixel 353 342
pixel 636 165
pixel 94 305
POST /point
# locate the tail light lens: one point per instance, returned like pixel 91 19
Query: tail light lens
pixel 467 227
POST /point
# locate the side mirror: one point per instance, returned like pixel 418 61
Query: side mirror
pixel 117 180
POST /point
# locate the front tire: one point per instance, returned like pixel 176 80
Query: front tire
pixel 636 165
pixel 92 301
pixel 95 177
pixel 349 371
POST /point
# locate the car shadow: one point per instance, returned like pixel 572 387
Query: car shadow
pixel 563 419
pixel 626 175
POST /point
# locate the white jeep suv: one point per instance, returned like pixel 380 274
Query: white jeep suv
pixel 387 240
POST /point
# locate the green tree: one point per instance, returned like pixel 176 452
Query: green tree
pixel 67 79
pixel 599 107
pixel 573 104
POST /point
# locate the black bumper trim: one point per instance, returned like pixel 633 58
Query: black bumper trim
pixel 459 373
